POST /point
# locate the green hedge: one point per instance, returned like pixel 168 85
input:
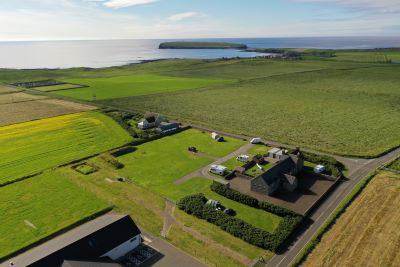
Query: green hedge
pixel 196 205
pixel 234 195
pixel 225 191
pixel 333 167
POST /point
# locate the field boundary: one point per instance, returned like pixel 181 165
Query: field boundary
pixel 59 232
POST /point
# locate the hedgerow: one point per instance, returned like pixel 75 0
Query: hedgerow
pixel 332 166
pixel 196 205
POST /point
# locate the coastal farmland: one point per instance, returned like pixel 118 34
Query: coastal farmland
pixel 30 147
pixel 336 111
pixel 7 89
pixel 367 233
pixel 35 208
pixel 22 107
pixel 106 88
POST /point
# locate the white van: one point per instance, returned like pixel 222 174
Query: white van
pixel 256 140
pixel 243 158
pixel 218 169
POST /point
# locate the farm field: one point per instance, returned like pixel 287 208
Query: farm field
pixel 106 88
pixel 380 56
pixel 367 233
pixel 35 208
pixel 348 112
pixel 56 87
pixel 157 164
pixel 12 113
pixel 4 89
pixel 18 97
pixel 30 147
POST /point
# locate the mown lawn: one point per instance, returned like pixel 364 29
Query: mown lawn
pixel 30 147
pixel 35 208
pixel 256 217
pixel 106 88
pixel 350 112
pixel 156 165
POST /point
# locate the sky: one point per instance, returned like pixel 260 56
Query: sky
pixel 169 19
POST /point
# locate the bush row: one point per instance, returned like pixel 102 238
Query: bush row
pixel 196 205
pixel 333 167
pixel 225 191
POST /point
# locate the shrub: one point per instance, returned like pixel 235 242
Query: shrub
pixel 288 224
pixel 234 195
pixel 333 167
pixel 196 205
pixel 107 157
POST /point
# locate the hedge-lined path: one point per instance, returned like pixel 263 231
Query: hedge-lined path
pixel 204 171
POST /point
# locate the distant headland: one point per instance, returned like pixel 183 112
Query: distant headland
pixel 201 45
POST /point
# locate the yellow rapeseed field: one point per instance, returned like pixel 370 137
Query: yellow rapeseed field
pixel 30 147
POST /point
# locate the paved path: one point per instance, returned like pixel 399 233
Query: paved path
pixel 204 171
pixel 325 209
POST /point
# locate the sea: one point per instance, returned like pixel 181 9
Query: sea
pixel 106 53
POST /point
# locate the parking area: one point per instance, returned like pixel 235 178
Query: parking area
pixel 139 256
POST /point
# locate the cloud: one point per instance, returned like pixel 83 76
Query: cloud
pixel 183 16
pixel 381 6
pixel 127 3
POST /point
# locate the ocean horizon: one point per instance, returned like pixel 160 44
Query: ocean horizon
pixel 107 53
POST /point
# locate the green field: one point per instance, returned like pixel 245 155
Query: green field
pixel 105 88
pixel 352 112
pixel 337 105
pixel 156 165
pixel 35 208
pixel 30 147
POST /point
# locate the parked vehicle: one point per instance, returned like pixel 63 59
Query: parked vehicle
pixel 218 169
pixel 243 158
pixel 256 140
pixel 229 212
pixel 319 169
pixel 217 137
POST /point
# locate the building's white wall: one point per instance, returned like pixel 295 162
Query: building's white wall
pixel 124 248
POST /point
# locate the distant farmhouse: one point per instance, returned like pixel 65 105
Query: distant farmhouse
pixel 100 242
pixel 280 175
pixel 157 121
pixel 151 120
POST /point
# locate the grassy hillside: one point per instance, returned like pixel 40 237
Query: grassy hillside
pixel 105 88
pixel 27 148
pixel 37 207
pixel 339 111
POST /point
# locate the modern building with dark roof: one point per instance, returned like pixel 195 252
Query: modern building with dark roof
pixel 99 242
pixel 281 175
